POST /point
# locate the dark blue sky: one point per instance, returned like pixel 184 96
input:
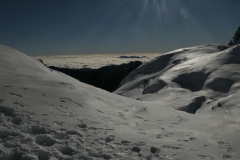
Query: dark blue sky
pixel 48 27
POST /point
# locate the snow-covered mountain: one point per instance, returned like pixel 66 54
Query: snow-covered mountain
pixel 46 114
pixel 203 79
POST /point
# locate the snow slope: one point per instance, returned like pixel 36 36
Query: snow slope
pixel 203 79
pixel 45 114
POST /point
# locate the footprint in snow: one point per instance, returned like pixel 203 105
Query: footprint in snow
pixel 45 140
pixel 154 150
pixel 7 86
pixel 17 120
pixel 136 149
pixel 14 94
pixel 82 125
pixel 205 157
pixel 110 138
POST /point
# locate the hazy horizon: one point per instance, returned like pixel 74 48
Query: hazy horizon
pixel 115 26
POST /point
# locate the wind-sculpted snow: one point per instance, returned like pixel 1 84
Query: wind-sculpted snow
pixel 209 71
pixel 47 115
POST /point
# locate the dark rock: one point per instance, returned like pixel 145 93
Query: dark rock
pixel 236 38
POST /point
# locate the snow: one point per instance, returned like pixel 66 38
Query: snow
pixel 46 114
pixel 200 76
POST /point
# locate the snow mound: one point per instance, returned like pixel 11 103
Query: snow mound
pixel 198 78
pixel 48 115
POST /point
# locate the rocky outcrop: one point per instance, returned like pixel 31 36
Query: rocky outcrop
pixel 107 78
pixel 236 38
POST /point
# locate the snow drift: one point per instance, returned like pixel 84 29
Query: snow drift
pixel 45 114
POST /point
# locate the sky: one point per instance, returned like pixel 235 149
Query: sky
pixel 57 27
